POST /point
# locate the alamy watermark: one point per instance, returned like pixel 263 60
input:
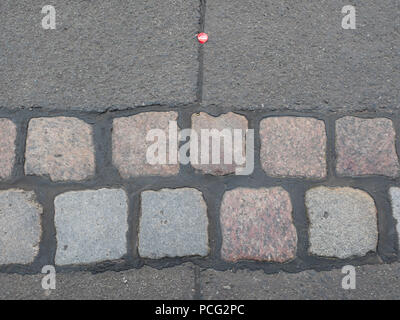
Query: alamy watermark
pixel 204 147
pixel 49 280
pixel 49 20
pixel 349 280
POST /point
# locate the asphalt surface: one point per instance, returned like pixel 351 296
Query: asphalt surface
pixel 102 55
pixel 372 282
pixel 294 55
pixel 291 55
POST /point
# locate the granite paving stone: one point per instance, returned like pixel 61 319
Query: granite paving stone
pixel 173 223
pixel 131 146
pixel 20 226
pixel 343 222
pixel 228 123
pixel 8 134
pixel 293 147
pixel 366 147
pixel 91 226
pixel 394 193
pixel 61 148
pixel 257 224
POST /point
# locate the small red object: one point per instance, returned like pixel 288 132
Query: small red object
pixel 202 37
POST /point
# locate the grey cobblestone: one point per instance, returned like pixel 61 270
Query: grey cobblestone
pixel 20 226
pixel 91 226
pixel 394 193
pixel 173 223
pixel 343 222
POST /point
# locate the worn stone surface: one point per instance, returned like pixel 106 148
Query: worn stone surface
pixel 173 223
pixel 273 55
pixel 394 193
pixel 61 148
pixel 103 54
pixel 230 121
pixel 8 134
pixel 20 226
pixel 366 147
pixel 343 222
pixel 293 147
pixel 91 226
pixel 130 146
pixel 257 224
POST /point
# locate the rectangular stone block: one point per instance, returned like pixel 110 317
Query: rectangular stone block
pixel 366 147
pixel 20 226
pixel 91 226
pixel 257 224
pixel 394 193
pixel 61 148
pixel 343 222
pixel 293 147
pixel 173 223
pixel 133 152
pixel 217 127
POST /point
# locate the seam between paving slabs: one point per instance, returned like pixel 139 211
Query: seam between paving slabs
pixel 212 187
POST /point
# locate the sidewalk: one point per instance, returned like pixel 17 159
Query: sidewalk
pixel 373 282
pixel 77 104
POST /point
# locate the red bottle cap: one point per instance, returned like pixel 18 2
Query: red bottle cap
pixel 202 37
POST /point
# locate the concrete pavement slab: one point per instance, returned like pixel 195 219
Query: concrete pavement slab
pixel 102 54
pixel 284 55
pixel 144 284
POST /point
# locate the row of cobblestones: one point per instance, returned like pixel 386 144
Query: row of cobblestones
pixel 256 223
pixel 62 148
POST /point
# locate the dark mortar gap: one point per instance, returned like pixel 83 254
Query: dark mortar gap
pixel 20 145
pixel 48 244
pixel 330 146
pixel 134 220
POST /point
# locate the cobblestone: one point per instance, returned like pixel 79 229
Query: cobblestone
pixel 61 148
pixel 173 224
pixel 91 226
pixel 366 147
pixel 257 225
pixel 20 226
pixel 394 193
pixel 8 134
pixel 231 122
pixel 343 222
pixel 130 146
pixel 293 147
